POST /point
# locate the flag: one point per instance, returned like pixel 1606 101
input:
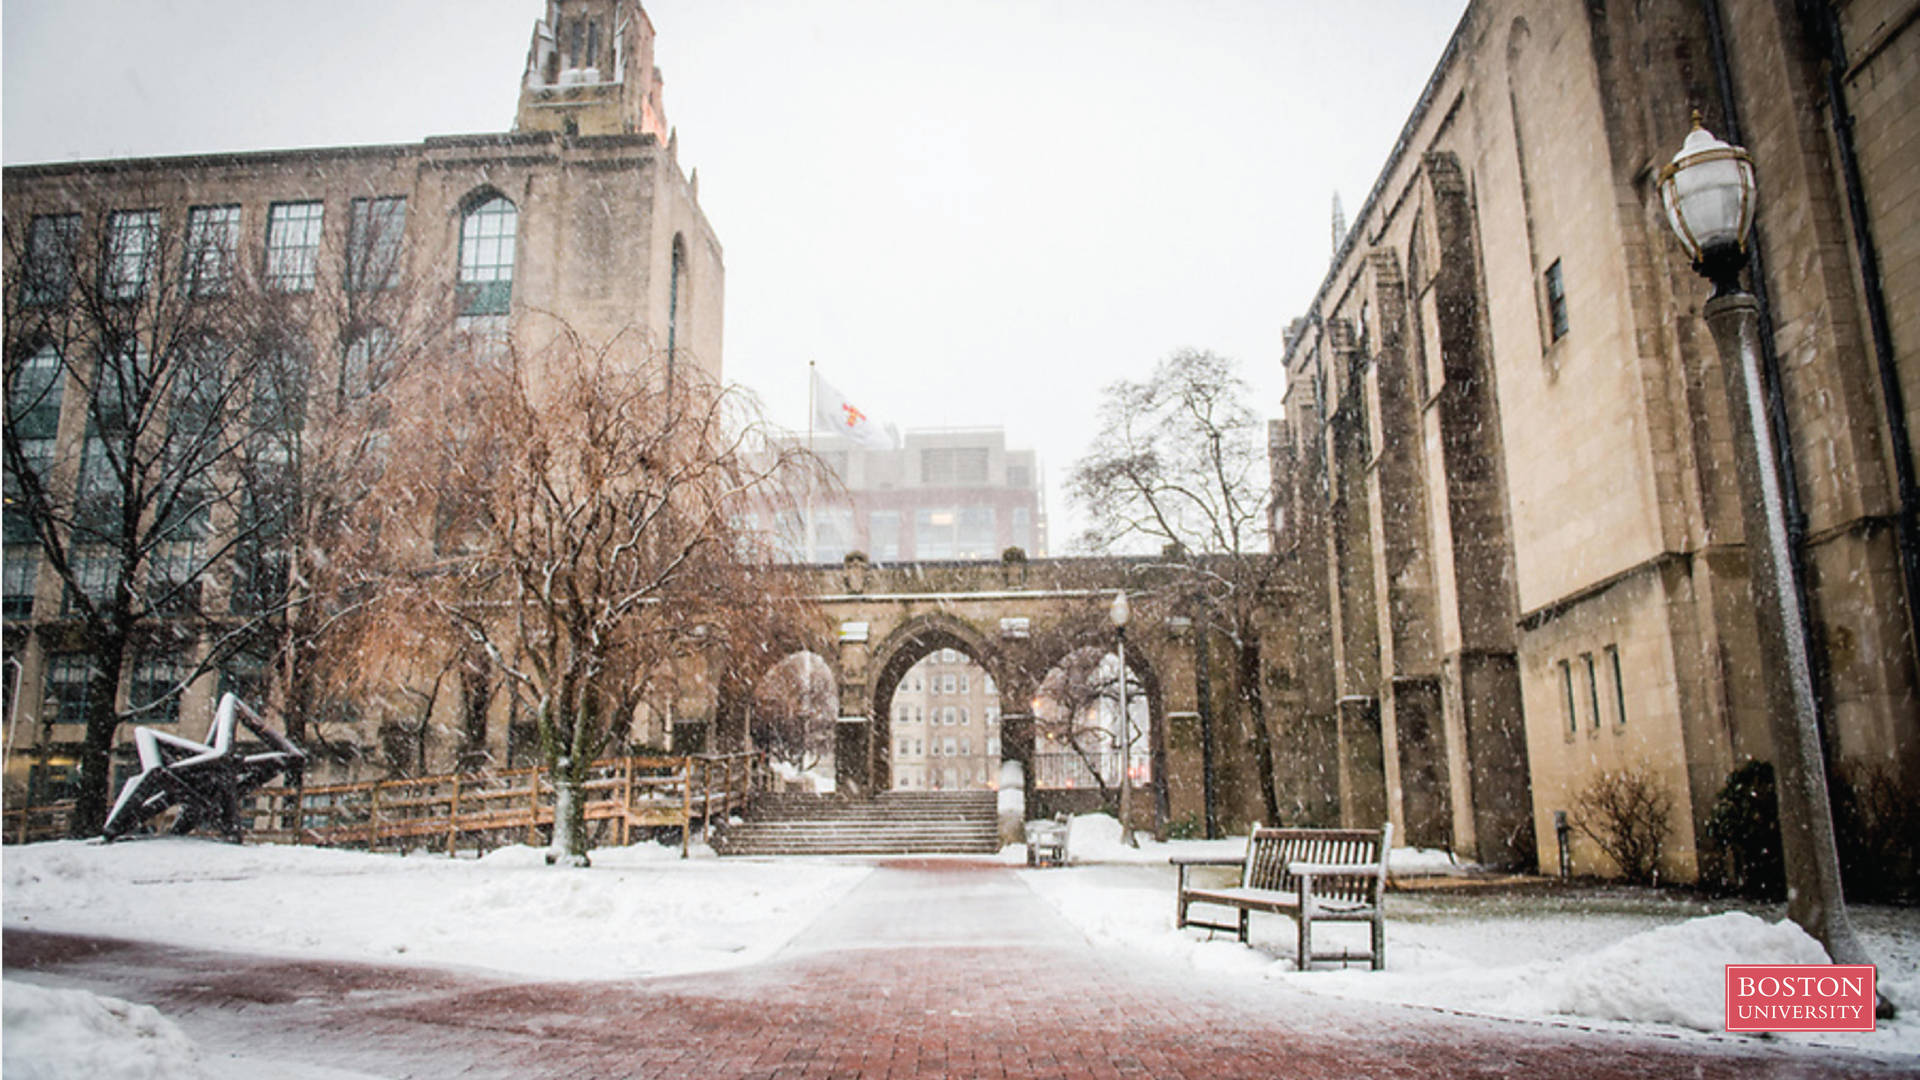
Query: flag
pixel 833 412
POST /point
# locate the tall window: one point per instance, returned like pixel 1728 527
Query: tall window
pixel 133 237
pixel 33 410
pixel 1556 301
pixel 486 257
pixel 21 571
pixel 213 236
pixel 48 274
pixel 374 231
pixel 155 678
pixel 1566 697
pixel 1619 685
pixel 293 245
pixel 69 681
pixel 673 300
pixel 1593 692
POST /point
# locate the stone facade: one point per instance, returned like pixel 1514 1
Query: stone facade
pixel 607 235
pixel 1506 485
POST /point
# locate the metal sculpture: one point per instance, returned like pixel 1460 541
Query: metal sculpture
pixel 208 781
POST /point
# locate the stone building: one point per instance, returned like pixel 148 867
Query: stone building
pixel 1506 482
pixel 580 211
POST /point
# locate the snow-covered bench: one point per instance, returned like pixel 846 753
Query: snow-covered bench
pixel 1313 875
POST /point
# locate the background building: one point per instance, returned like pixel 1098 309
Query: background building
pixel 946 726
pixel 945 494
pixel 578 216
pixel 1505 476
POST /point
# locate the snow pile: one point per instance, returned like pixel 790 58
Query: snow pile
pixel 57 1034
pixel 637 911
pixel 1653 962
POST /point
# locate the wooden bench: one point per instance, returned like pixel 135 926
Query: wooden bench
pixel 1313 875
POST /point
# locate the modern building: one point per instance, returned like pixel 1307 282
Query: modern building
pixel 1506 476
pixel 580 213
pixel 945 494
pixel 946 726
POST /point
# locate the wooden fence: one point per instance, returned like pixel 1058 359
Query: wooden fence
pixel 483 810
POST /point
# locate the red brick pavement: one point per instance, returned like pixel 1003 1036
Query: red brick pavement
pixel 936 969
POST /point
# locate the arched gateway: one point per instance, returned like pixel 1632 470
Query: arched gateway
pixel 1016 620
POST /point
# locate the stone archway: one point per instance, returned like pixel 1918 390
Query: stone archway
pixel 909 643
pixel 1139 660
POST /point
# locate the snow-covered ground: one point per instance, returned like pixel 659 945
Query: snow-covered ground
pixel 639 910
pixel 1605 958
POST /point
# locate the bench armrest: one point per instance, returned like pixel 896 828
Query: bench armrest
pixel 1206 860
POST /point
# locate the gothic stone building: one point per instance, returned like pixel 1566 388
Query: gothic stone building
pixel 581 211
pixel 1506 481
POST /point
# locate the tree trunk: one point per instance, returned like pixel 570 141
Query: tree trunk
pixel 1247 675
pixel 93 795
pixel 569 847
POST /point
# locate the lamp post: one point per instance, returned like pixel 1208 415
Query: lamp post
pixel 1708 192
pixel 1119 613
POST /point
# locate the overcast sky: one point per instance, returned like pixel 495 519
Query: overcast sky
pixel 969 214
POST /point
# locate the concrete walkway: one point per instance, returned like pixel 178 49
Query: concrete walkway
pixel 940 968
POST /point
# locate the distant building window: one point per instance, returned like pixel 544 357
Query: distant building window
pixel 375 228
pixel 22 569
pixel 883 535
pixel 1619 685
pixel 953 466
pixel 1566 696
pixel 133 238
pixel 69 682
pixel 486 257
pixel 1593 691
pixel 293 245
pixel 1023 528
pixel 213 236
pixel 48 276
pixel 674 279
pixel 152 690
pixel 1556 301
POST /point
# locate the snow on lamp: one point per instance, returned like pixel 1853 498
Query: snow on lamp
pixel 1708 192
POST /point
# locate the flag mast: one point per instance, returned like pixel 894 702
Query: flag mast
pixel 806 519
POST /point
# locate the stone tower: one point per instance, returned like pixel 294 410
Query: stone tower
pixel 590 72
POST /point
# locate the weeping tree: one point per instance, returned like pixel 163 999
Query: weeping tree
pixel 1180 467
pixel 582 522
pixel 795 708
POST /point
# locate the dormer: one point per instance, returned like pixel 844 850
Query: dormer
pixel 590 72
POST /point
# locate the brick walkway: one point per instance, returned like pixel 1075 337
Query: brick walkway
pixel 932 969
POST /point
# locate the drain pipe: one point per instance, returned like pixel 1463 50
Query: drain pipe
pixel 1776 403
pixel 1825 31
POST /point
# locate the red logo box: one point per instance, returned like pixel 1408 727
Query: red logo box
pixel 1800 997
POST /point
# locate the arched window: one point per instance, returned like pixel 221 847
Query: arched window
pixel 487 228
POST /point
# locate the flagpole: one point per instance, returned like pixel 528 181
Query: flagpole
pixel 806 519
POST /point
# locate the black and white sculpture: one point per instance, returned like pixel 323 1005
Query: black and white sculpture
pixel 206 780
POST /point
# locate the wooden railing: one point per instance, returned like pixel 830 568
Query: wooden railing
pixel 486 810
pixel 29 824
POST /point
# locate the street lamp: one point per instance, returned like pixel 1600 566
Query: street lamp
pixel 1708 192
pixel 1119 613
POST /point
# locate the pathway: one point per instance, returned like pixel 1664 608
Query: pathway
pixel 939 968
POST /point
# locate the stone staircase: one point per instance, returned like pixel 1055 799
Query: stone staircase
pixel 891 823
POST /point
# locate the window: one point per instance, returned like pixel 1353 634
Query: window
pixel 48 276
pixel 1566 687
pixel 1019 476
pixel 151 691
pixel 883 535
pixel 951 466
pixel 832 533
pixel 966 747
pixel 974 538
pixel 947 749
pixel 96 570
pixel 678 274
pixel 133 236
pixel 965 679
pixel 949 684
pixel 33 412
pixel 486 257
pixel 213 236
pixel 1556 301
pixel 963 716
pixel 22 569
pixel 1593 692
pixel 1023 528
pixel 1619 686
pixel 948 656
pixel 374 231
pixel 69 684
pixel 293 245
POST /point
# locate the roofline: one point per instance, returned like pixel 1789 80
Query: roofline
pixel 1420 109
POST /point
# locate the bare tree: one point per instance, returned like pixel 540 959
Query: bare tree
pixel 580 520
pixel 1180 466
pixel 1084 691
pixel 1628 814
pixel 794 712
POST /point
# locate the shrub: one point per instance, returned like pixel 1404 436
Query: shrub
pixel 1742 849
pixel 1627 813
pixel 1878 828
